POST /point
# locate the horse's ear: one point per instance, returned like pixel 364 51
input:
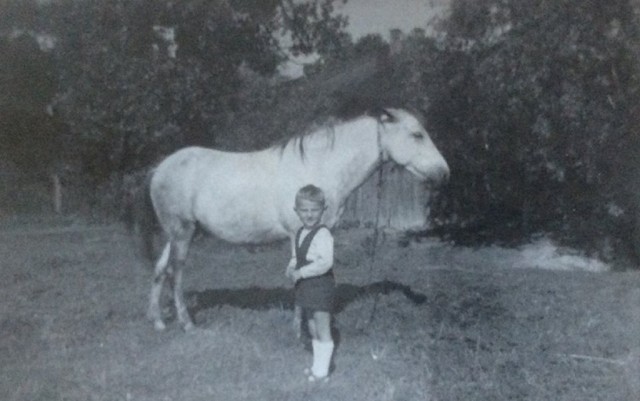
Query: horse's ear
pixel 383 115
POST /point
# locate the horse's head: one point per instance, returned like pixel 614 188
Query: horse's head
pixel 404 140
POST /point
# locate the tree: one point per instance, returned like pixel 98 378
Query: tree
pixel 30 138
pixel 134 80
pixel 314 28
pixel 540 96
pixel 124 95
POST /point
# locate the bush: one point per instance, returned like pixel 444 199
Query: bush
pixel 538 104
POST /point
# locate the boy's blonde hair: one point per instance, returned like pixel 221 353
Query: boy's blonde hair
pixel 310 193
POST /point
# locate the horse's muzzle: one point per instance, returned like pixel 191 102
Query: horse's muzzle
pixel 438 176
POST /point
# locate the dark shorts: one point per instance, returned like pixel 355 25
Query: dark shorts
pixel 316 293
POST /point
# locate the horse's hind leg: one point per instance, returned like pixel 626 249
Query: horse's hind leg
pixel 159 275
pixel 179 250
pixel 170 265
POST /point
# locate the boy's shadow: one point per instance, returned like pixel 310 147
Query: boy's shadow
pixel 257 298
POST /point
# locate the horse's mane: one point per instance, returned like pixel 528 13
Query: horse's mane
pixel 325 128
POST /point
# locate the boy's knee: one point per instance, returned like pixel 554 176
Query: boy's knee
pixel 323 326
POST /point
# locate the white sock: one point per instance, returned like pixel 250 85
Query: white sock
pixel 322 352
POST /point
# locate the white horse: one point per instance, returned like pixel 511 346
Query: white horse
pixel 249 197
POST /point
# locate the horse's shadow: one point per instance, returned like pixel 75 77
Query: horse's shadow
pixel 257 298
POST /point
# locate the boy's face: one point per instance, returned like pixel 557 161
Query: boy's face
pixel 309 212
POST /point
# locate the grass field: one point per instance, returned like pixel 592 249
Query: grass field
pixel 424 322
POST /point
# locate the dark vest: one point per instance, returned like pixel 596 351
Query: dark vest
pixel 302 249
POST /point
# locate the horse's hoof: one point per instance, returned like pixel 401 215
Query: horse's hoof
pixel 189 326
pixel 159 325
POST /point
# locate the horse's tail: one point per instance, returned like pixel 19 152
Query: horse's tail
pixel 140 218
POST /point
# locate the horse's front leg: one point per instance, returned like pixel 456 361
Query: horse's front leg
pixel 297 321
pixel 297 311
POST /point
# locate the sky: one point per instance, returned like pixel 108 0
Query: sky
pixel 379 16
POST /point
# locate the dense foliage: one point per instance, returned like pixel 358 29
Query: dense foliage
pixel 538 102
pixel 136 79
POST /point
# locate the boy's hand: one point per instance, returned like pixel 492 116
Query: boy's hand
pixel 294 275
pixel 289 270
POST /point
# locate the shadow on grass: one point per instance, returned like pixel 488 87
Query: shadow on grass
pixel 257 298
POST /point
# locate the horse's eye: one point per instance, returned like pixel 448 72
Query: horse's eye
pixel 417 135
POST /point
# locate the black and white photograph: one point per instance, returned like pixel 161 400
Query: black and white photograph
pixel 319 200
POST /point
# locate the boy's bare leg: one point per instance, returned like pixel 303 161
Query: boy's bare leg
pixel 322 323
pixel 311 324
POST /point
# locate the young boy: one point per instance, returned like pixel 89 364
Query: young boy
pixel 311 270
